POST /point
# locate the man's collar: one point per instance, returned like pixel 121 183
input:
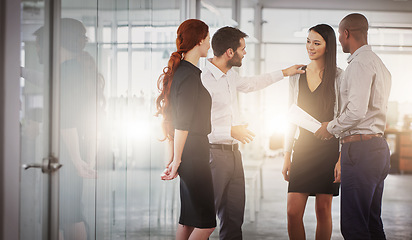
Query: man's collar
pixel 216 72
pixel 359 50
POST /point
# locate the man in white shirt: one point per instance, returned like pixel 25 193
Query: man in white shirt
pixel 363 102
pixel 223 83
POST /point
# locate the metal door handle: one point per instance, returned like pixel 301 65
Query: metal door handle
pixel 32 165
pixel 55 166
pixel 48 165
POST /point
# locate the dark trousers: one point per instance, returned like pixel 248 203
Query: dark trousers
pixel 229 190
pixel 365 165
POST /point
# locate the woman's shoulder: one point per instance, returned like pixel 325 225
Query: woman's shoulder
pixel 185 75
pixel 187 68
pixel 294 78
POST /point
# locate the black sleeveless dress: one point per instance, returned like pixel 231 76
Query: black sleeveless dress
pixel 191 107
pixel 313 160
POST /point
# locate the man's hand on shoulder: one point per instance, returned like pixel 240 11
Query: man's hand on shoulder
pixel 242 134
pixel 293 70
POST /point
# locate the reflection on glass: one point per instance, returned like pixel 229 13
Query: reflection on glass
pixel 80 86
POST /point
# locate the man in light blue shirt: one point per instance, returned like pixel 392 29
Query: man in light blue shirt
pixel 363 101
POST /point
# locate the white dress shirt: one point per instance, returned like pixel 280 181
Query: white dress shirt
pixel 363 98
pixel 223 89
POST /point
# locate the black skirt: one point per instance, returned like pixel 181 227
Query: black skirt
pixel 196 185
pixel 312 168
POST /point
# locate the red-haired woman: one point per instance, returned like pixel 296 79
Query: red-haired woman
pixel 185 105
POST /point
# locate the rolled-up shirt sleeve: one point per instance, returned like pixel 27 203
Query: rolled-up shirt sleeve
pixel 221 132
pixel 357 91
pixel 187 97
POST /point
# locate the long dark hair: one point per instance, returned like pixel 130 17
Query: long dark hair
pixel 329 73
pixel 189 34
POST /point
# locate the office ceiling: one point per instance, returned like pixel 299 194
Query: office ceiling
pixel 364 5
pixel 360 5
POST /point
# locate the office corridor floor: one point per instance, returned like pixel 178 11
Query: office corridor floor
pixel 270 222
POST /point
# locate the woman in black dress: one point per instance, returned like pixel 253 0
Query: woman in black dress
pixel 314 169
pixel 185 105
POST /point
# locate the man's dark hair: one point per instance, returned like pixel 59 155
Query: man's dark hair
pixel 225 38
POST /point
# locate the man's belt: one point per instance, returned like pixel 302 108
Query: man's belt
pixel 359 137
pixel 227 147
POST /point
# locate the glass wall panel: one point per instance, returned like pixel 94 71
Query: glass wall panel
pixel 34 119
pixel 217 16
pixel 113 162
pixel 81 107
pixel 164 198
pixel 115 177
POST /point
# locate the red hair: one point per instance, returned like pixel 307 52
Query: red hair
pixel 189 34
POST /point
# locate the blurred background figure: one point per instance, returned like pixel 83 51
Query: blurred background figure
pixel 80 87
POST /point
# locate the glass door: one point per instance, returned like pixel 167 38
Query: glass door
pixel 39 142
